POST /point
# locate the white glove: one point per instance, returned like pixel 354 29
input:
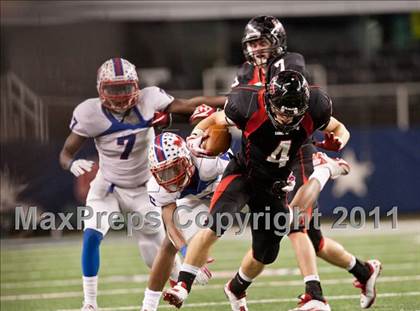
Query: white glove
pixel 337 167
pixel 81 166
pixel 194 145
pixel 291 183
pixel 204 274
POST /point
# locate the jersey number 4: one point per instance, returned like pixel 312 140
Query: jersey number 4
pixel 281 154
pixel 128 141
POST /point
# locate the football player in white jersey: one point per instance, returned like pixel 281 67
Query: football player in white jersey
pixel 181 186
pixel 120 122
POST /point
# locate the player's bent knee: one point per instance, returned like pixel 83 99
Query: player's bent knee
pixel 92 237
pixel 266 255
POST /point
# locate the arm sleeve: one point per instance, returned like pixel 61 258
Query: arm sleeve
pixel 78 122
pixel 321 110
pixel 211 168
pixel 157 97
pixel 296 62
pixel 240 104
pixel 244 74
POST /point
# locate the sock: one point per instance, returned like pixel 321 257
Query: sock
pixel 187 275
pixel 311 277
pixel 352 263
pixel 313 287
pixel 90 252
pixel 151 300
pixel 240 283
pixel 90 290
pixel 361 271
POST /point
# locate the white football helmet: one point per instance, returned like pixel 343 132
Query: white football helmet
pixel 170 162
pixel 117 84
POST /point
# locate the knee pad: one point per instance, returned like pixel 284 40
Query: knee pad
pixel 267 253
pixel 90 252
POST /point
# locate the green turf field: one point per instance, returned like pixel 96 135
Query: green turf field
pixel 46 276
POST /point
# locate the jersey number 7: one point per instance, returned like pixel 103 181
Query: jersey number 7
pixel 131 139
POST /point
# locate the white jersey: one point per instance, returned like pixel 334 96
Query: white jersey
pixel 122 142
pixel 207 175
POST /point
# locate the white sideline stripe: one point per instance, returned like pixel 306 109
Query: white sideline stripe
pixel 124 291
pixel 262 301
pixel 141 278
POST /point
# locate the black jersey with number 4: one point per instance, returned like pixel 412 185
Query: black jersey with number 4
pixel 267 152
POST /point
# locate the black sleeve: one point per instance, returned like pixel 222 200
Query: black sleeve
pixel 241 103
pixel 320 108
pixel 296 62
pixel 244 75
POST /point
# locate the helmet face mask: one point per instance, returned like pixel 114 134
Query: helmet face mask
pixel 266 28
pixel 174 175
pixel 170 162
pixel 119 96
pixel 287 100
pixel 259 56
pixel 117 85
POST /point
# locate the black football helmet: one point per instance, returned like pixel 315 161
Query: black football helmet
pixel 287 95
pixel 267 27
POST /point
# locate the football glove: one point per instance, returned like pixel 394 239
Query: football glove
pixel 80 167
pixel 330 142
pixel 194 144
pixel 204 274
pixel 291 183
pixel 201 112
pixel 162 120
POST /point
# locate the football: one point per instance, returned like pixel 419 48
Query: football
pixel 218 140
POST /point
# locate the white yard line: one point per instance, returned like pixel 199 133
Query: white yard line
pixel 141 278
pixel 261 301
pixel 124 291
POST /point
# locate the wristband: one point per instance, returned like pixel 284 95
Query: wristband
pixel 183 251
pixel 322 174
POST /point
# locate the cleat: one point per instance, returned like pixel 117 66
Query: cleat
pixel 89 307
pixel 307 303
pixel 237 303
pixel 172 283
pixel 177 295
pixel 338 167
pixel 368 295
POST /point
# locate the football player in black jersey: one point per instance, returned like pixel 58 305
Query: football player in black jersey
pixel 264 44
pixel 274 124
pixel 265 48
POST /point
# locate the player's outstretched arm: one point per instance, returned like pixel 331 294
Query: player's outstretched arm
pixel 306 195
pixel 336 136
pixel 71 146
pixel 325 168
pixel 174 234
pixel 187 106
